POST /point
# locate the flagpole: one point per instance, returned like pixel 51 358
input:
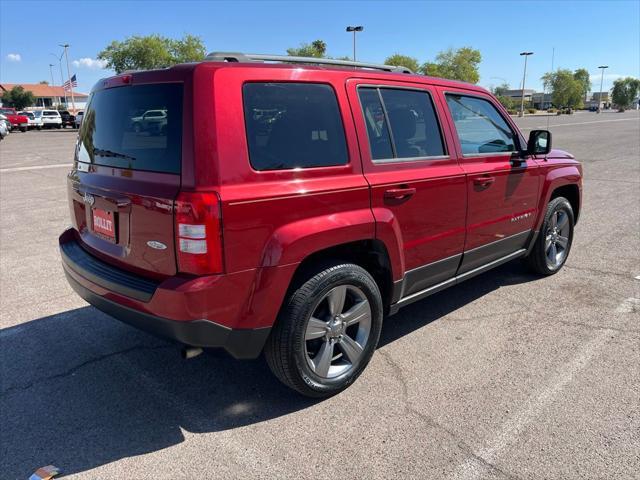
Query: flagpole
pixel 66 56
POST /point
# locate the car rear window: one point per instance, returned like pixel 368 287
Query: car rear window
pixel 293 125
pixel 136 127
pixel 50 114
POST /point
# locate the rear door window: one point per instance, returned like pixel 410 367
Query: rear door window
pixel 480 127
pixel 401 124
pixel 136 127
pixel 293 125
pixel 377 129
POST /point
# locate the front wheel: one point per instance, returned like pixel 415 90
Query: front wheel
pixel 553 244
pixel 327 331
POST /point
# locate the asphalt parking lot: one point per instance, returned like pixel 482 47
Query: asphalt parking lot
pixel 505 376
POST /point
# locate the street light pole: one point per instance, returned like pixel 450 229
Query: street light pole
pixel 51 72
pixel 59 57
pixel 66 56
pixel 354 29
pixel 602 67
pixel 524 76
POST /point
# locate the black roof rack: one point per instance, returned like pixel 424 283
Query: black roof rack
pixel 249 57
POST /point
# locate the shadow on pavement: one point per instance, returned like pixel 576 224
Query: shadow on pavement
pixel 80 390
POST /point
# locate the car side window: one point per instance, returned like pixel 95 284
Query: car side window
pixel 293 125
pixel 480 127
pixel 401 123
pixel 377 129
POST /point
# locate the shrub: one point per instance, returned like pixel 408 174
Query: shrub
pixel 552 110
pixel 531 110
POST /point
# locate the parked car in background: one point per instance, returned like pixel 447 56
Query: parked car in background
pixel 153 121
pixel 67 119
pixel 289 208
pixel 17 121
pixel 34 122
pixel 5 121
pixel 4 130
pixel 50 118
pixel 79 117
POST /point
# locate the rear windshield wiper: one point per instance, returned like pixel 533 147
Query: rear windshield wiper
pixel 111 153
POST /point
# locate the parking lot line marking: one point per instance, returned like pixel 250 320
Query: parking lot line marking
pixel 35 167
pixel 513 427
pixel 587 123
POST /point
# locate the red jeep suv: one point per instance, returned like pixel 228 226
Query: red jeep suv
pixel 286 205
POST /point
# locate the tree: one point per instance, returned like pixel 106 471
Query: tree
pixel 316 49
pixel 566 91
pixel 507 102
pixel 151 52
pixel 403 61
pixel 625 90
pixel 18 98
pixel 461 64
pixel 501 89
pixel 43 82
pixel 582 76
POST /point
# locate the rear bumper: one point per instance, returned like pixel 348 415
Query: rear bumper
pixel 118 293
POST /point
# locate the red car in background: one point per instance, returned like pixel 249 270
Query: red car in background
pixel 17 121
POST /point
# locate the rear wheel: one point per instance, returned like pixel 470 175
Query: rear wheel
pixel 553 244
pixel 327 331
pixel 23 129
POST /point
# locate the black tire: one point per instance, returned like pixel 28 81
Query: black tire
pixel 286 351
pixel 23 129
pixel 537 260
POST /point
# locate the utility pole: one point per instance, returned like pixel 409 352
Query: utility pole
pixel 601 67
pixel 354 29
pixel 66 56
pixel 524 76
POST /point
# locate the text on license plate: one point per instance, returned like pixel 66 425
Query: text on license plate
pixel 103 223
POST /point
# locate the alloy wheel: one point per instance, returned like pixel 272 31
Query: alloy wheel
pixel 556 244
pixel 337 331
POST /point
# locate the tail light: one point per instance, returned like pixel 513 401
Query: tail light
pixel 198 233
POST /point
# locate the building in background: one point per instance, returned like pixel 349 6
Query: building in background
pixel 541 101
pixel 598 97
pixel 517 94
pixel 48 96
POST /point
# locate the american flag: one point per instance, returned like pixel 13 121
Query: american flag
pixel 70 83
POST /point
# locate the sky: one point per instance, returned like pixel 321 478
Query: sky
pixel 584 34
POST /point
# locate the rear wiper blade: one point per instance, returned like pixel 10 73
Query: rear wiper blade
pixel 111 153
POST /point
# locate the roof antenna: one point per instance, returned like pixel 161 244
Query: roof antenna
pixel 553 55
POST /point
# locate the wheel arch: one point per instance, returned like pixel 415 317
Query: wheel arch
pixel 370 254
pixel 572 193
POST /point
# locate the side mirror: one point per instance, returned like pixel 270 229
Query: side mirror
pixel 539 142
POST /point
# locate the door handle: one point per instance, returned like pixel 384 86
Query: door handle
pixel 484 181
pixel 399 193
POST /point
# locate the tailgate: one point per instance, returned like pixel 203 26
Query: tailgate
pixel 127 175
